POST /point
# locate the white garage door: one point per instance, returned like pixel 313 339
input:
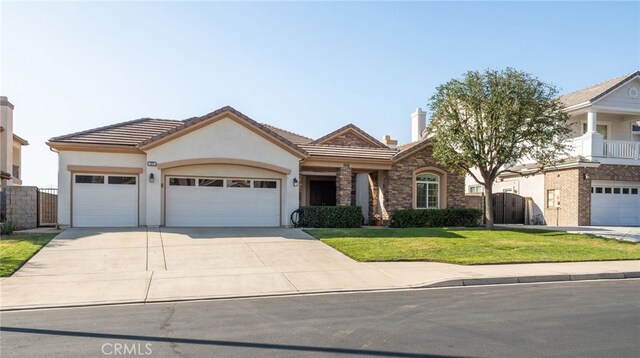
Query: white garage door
pixel 615 203
pixel 193 201
pixel 101 200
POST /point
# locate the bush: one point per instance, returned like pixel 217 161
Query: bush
pixel 7 227
pixel 436 217
pixel 330 216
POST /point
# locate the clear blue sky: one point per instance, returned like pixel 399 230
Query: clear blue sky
pixel 306 67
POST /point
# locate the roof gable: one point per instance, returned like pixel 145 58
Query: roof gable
pixel 229 112
pixel 597 91
pixel 350 135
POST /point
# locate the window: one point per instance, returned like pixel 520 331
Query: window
pixel 616 190
pixel 122 180
pixel 600 128
pixel 237 183
pixel 607 190
pixel 182 182
pixel 217 183
pixel 427 191
pixel 268 184
pixel 634 191
pixel 476 189
pixel 598 190
pixel 90 179
pixel 625 190
pixel 553 198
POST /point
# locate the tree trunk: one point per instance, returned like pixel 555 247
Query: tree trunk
pixel 488 206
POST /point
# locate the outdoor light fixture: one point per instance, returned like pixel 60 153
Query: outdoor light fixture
pixel 586 176
pixel 151 178
pixel 295 181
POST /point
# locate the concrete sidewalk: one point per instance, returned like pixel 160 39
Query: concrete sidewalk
pixel 138 265
pixel 27 292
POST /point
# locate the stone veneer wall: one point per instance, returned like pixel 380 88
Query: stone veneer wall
pixel 351 140
pixel 399 182
pixel 20 203
pixel 343 186
pixel 575 191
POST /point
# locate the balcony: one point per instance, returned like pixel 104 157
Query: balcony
pixel 621 149
pixel 593 146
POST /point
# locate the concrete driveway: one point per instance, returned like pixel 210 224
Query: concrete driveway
pixel 107 266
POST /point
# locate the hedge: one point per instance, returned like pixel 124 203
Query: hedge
pixel 436 217
pixel 330 216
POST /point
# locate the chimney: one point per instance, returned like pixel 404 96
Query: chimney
pixel 391 143
pixel 418 123
pixel 6 135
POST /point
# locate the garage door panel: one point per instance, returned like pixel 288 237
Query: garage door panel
pixel 104 204
pixel 222 206
pixel 615 203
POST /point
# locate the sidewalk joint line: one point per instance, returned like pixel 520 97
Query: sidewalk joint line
pixel 146 295
pixel 164 258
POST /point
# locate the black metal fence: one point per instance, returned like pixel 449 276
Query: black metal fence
pixel 47 206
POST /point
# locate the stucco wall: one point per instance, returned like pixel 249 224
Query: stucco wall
pixel 222 139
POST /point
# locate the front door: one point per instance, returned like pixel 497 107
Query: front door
pixel 322 192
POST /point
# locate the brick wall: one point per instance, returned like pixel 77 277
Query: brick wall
pixel 575 191
pixel 21 205
pixel 400 182
pixel 351 140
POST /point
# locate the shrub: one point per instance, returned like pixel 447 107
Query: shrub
pixel 436 217
pixel 7 227
pixel 330 216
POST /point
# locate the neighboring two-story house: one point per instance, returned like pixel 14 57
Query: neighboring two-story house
pixel 10 147
pixel 599 182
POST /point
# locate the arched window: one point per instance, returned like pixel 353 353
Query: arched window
pixel 427 191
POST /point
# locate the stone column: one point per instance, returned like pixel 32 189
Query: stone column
pixel 343 185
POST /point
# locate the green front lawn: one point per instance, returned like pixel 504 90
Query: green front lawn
pixel 473 246
pixel 15 250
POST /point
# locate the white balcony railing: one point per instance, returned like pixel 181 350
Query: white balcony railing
pixel 593 146
pixel 621 149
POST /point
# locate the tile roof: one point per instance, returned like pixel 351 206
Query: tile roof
pixel 596 91
pixel 129 133
pixel 327 150
pixel 290 136
pixel 352 127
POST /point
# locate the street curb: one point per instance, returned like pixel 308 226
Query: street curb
pixel 441 284
pixel 532 279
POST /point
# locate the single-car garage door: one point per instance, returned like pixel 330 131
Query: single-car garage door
pixel 197 201
pixel 105 200
pixel 615 203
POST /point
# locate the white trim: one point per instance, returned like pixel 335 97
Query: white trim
pixel 617 110
pixel 618 85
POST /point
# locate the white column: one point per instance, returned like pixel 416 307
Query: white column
pixel 591 121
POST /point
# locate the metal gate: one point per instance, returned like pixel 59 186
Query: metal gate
pixel 508 208
pixel 47 207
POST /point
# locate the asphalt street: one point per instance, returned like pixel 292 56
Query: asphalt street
pixel 570 319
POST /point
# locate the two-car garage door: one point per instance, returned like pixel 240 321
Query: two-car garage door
pixel 206 201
